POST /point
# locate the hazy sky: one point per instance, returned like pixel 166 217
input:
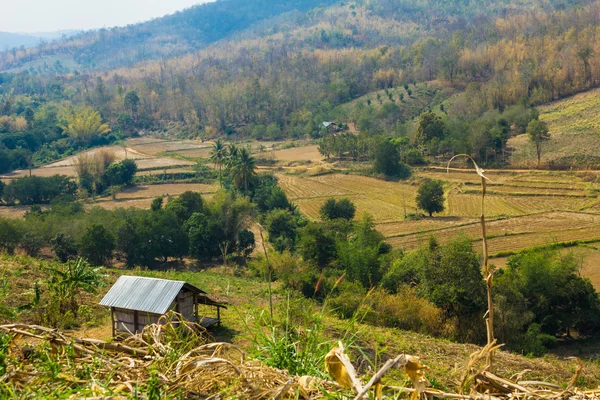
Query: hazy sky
pixel 53 15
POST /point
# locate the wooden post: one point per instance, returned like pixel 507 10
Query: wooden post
pixel 196 307
pixel 135 321
pixel 112 318
pixel 218 315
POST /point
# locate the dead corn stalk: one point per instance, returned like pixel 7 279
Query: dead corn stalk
pixel 489 273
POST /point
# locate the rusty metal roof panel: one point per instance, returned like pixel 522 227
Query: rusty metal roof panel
pixel 144 294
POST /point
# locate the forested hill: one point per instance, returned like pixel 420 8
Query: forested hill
pixel 196 27
pixel 265 72
pixel 166 37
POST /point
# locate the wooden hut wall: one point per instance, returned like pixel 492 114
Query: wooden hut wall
pixel 125 320
pixel 185 298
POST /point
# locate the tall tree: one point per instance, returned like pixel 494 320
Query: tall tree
pixel 538 134
pixel 218 157
pixel 131 102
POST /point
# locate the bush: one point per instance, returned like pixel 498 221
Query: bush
pixel 32 244
pixel 414 157
pixel 10 235
pixel 404 310
pixel 64 247
pixel 386 161
pixel 97 245
pixel 281 226
pixel 334 209
pixel 245 243
pixel 36 189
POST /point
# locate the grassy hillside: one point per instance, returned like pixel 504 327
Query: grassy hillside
pixel 247 298
pixel 574 125
pixel 422 97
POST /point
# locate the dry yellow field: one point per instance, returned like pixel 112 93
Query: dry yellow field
pixel 306 153
pixel 153 147
pixel 524 209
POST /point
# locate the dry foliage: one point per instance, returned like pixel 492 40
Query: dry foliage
pixel 154 359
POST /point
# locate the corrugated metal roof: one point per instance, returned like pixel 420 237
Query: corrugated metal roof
pixel 144 294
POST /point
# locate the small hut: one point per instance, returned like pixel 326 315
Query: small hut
pixel 135 302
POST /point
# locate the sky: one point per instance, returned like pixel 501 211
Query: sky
pixel 30 16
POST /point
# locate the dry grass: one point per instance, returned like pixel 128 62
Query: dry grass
pixel 306 153
pixel 574 125
pixel 153 147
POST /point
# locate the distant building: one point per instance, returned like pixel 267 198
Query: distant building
pixel 331 127
pixel 135 302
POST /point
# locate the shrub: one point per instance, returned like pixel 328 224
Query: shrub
pixel 281 226
pixel 36 189
pixel 64 247
pixel 245 243
pixel 97 245
pixel 334 209
pixel 32 244
pixel 10 235
pixel 405 310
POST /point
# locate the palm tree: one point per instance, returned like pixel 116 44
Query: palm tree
pixel 232 154
pixel 218 156
pixel 243 168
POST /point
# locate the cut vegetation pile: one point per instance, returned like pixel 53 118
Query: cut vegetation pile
pixel 171 359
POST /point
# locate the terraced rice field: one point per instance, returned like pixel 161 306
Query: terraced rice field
pixel 517 233
pixel 574 125
pixel 523 209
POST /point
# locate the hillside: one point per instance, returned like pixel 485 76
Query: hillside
pixel 574 125
pixel 247 299
pixel 173 35
pixel 10 40
pixel 199 26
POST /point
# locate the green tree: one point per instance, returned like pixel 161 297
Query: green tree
pixel 245 243
pixel 64 247
pixel 157 203
pixel 560 299
pixel 121 173
pixel 386 160
pixel 218 156
pixel 537 131
pixel 430 197
pixel 131 102
pixel 317 243
pixel 205 234
pixel 128 242
pixel 282 229
pixel 430 127
pixel 334 209
pixel 97 245
pixel 10 235
pixel 451 278
pixel 360 255
pixel 185 205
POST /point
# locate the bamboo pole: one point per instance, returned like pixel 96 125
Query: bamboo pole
pixel 488 273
